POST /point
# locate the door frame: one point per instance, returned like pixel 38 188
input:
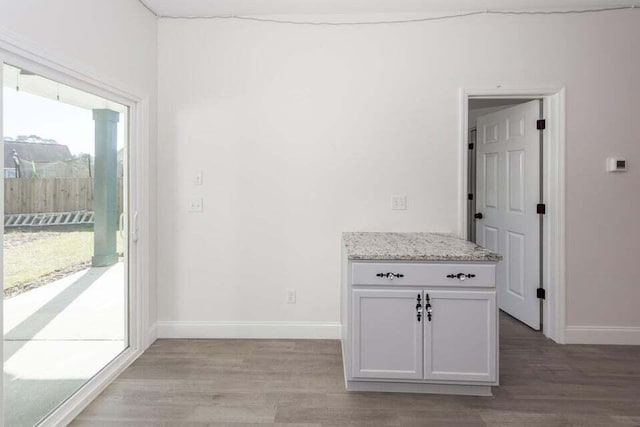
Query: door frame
pixel 554 190
pixel 25 54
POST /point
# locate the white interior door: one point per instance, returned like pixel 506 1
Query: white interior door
pixel 508 191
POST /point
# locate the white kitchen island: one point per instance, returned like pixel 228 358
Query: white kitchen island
pixel 418 314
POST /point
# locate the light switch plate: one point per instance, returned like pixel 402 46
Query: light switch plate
pixel 197 178
pixel 196 204
pixel 399 203
pixel 291 296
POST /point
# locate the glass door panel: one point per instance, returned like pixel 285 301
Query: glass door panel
pixel 65 243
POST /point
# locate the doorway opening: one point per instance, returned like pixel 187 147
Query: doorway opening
pixel 551 185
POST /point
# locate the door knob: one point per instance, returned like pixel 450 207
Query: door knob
pixel 478 215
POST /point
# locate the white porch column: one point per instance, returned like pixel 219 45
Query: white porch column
pixel 104 192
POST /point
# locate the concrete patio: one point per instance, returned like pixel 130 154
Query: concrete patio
pixel 57 337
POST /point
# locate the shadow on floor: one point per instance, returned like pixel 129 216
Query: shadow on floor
pixel 34 323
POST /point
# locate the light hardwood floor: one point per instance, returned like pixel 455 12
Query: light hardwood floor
pixel 299 383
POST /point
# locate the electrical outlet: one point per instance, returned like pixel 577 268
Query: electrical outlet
pixel 196 205
pixel 291 296
pixel 399 203
pixel 197 178
pixel 616 164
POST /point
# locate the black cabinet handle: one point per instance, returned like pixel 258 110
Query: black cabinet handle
pixel 390 276
pixel 427 306
pixel 461 276
pixel 478 215
pixel 419 307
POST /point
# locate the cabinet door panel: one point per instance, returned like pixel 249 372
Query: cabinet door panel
pixel 460 339
pixel 387 336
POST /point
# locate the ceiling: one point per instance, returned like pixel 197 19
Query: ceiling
pixel 203 8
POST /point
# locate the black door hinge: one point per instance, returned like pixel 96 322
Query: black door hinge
pixel 471 146
pixel 541 124
pixel 469 196
pixel 541 208
pixel 541 293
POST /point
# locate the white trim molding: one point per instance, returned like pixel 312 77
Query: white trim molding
pixel 612 335
pixel 152 335
pixel 254 330
pixel 554 277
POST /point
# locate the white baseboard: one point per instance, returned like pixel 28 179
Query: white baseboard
pixel 614 335
pixel 257 330
pixel 152 335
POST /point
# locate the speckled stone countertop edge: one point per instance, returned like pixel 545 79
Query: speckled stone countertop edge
pixel 416 246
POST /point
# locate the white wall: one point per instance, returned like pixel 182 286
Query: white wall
pixel 304 132
pixel 114 41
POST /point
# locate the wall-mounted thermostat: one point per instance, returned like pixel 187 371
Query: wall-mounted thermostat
pixel 616 164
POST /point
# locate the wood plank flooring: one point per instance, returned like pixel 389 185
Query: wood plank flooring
pixel 298 383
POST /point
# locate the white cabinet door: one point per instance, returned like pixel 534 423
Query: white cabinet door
pixel 387 335
pixel 460 337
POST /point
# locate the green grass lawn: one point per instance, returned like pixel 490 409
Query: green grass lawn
pixel 32 260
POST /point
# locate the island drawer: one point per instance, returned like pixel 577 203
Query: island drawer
pixel 423 274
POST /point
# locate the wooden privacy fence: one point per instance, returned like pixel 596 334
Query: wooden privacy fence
pixel 44 195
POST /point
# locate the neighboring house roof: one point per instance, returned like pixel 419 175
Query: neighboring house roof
pixel 37 152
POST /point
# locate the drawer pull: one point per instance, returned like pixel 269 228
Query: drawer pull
pixel 419 308
pixel 427 305
pixel 390 276
pixel 461 276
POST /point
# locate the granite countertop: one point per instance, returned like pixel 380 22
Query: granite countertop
pixel 413 247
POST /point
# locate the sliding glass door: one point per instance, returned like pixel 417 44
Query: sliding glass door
pixel 65 242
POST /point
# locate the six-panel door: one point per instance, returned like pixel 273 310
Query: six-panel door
pixel 387 336
pixel 508 190
pixel 460 338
